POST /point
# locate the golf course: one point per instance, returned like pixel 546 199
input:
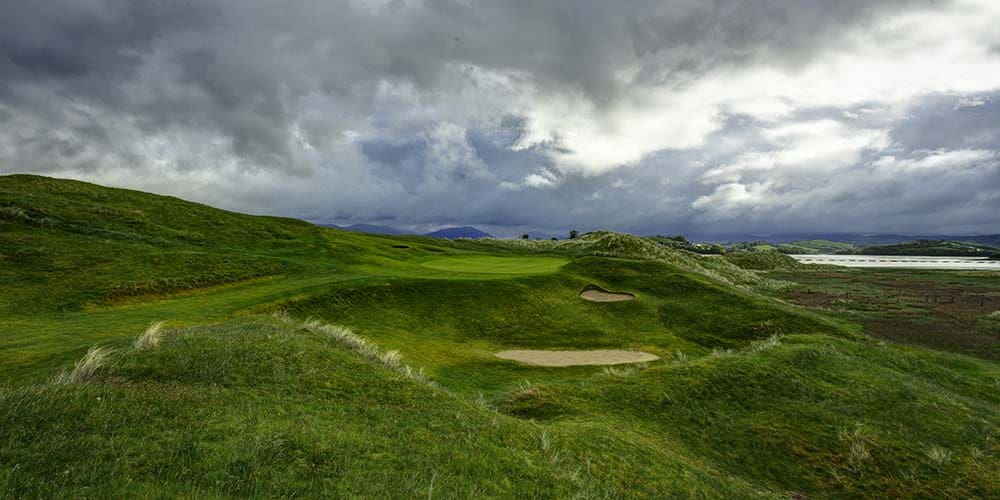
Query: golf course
pixel 155 347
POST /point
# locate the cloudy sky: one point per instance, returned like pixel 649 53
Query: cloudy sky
pixel 677 116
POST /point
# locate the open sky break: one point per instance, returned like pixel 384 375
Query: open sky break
pixel 643 116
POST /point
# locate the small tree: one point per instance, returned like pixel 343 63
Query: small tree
pixel 573 233
pixel 525 236
pixel 555 239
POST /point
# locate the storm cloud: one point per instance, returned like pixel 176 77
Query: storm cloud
pixel 645 116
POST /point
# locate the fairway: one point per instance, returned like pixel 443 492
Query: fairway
pixel 487 264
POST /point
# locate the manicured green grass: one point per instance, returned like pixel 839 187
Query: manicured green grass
pixel 753 397
pixel 489 264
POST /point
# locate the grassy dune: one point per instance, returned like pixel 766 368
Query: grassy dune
pixel 298 360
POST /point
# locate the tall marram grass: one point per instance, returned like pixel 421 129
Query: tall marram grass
pixel 86 368
pixel 392 360
pixel 151 337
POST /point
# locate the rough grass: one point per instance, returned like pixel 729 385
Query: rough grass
pixel 151 337
pixel 752 397
pixel 763 261
pixel 86 368
pixel 391 360
pixel 260 407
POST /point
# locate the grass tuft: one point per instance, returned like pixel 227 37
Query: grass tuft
pixel 392 360
pixel 612 371
pixel 995 315
pixel 938 455
pixel 86 368
pixel 858 440
pixel 151 337
pixel 763 345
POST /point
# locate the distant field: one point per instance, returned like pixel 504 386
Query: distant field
pixel 948 310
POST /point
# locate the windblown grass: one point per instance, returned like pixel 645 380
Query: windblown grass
pixel 86 368
pixel 151 337
pixel 391 360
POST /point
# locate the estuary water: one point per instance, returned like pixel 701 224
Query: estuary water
pixel 901 261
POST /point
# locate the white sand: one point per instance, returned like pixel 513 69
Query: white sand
pixel 595 295
pixel 577 358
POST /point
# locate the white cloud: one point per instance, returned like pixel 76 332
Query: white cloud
pixel 972 102
pixel 505 111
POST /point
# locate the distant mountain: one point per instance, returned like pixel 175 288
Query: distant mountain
pixel 374 229
pixel 458 232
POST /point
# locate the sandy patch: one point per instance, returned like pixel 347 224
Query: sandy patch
pixel 577 358
pixel 594 293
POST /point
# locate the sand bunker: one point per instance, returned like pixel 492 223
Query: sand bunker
pixel 577 358
pixel 595 293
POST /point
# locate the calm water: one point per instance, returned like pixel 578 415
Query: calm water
pixel 911 262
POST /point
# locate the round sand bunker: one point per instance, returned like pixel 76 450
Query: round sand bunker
pixel 577 358
pixel 595 293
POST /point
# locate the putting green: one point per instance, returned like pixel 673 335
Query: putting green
pixel 488 264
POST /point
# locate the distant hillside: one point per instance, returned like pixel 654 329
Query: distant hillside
pixel 929 247
pixel 796 247
pixel 815 246
pixel 849 238
pixel 458 232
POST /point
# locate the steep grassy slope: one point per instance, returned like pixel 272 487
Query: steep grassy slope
pixel 264 407
pixel 752 397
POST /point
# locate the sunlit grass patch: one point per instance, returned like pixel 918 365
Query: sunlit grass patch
pixel 488 264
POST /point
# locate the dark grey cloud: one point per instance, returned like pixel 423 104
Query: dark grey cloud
pixel 648 116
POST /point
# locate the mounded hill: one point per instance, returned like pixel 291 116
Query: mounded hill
pixel 763 261
pixel 240 394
